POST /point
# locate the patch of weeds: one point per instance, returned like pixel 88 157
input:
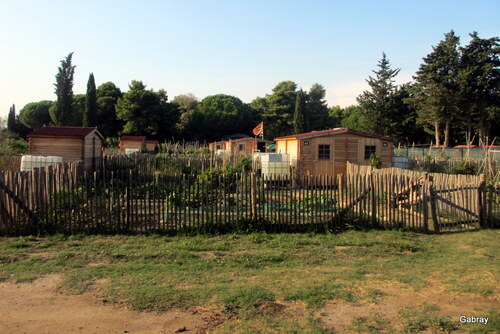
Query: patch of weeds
pixel 21 243
pixel 374 295
pixel 246 298
pixel 400 247
pixel 476 289
pixel 258 237
pixel 222 246
pixel 371 324
pixel 77 282
pixel 426 319
pixel 146 296
pixel 316 295
pixel 256 261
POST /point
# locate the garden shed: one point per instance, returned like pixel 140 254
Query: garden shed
pixel 217 145
pixel 246 146
pixel 72 143
pixel 326 152
pixel 151 145
pixel 129 144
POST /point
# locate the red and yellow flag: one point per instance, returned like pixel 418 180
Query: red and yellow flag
pixel 259 129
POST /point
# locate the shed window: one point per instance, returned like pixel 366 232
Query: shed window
pixel 241 147
pixel 218 147
pixel 324 152
pixel 369 150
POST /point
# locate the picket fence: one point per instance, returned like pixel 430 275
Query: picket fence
pixel 122 199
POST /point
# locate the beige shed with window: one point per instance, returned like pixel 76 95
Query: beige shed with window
pixel 326 152
pixel 72 143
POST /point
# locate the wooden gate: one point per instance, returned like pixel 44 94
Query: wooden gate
pixel 456 208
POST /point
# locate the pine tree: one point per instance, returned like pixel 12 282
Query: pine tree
pixel 438 100
pixel 316 108
pixel 479 80
pixel 11 120
pixel 377 102
pixel 62 111
pixel 298 116
pixel 90 113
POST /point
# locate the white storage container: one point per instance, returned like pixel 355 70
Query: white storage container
pixel 274 163
pixel 28 162
pixel 131 150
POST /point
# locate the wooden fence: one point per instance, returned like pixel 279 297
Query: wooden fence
pixel 123 199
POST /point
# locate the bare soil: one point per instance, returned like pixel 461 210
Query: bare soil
pixel 338 315
pixel 39 307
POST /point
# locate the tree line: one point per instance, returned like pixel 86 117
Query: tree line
pixel 453 98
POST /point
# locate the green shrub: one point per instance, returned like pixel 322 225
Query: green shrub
pixel 464 167
pixel 375 161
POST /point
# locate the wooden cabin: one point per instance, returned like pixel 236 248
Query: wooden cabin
pixel 151 145
pixel 72 143
pixel 326 152
pixel 245 146
pixel 132 143
pixel 218 145
pixel 248 146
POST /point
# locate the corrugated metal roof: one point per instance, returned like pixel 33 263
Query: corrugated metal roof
pixel 63 131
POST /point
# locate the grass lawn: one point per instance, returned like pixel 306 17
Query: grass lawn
pixel 281 283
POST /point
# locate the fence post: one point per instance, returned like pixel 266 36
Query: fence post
pixel 481 192
pixel 253 196
pixel 424 201
pixel 374 199
pixel 433 205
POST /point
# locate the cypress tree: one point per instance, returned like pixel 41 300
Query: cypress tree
pixel 298 117
pixel 90 113
pixel 11 120
pixel 62 111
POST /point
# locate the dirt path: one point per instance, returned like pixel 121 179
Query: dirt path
pixel 39 308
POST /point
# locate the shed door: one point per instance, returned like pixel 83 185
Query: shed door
pixel 324 157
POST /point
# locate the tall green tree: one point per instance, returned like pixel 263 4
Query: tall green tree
pixel 90 114
pixel 146 112
pixel 316 108
pixel 280 108
pixel 34 115
pixel 187 105
pixel 479 82
pixel 437 97
pixel 377 103
pixel 353 117
pixel 61 114
pixel 220 115
pixel 11 120
pixel 107 96
pixel 298 117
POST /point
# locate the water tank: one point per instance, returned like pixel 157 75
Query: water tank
pixel 28 162
pixel 274 163
pixel 401 162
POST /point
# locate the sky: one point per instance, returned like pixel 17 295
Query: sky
pixel 240 48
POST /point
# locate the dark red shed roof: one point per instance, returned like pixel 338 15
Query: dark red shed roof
pixel 314 134
pixel 64 131
pixel 152 141
pixel 134 138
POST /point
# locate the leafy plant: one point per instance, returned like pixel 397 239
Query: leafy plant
pixel 375 161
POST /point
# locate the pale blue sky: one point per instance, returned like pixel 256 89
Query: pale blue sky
pixel 242 48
